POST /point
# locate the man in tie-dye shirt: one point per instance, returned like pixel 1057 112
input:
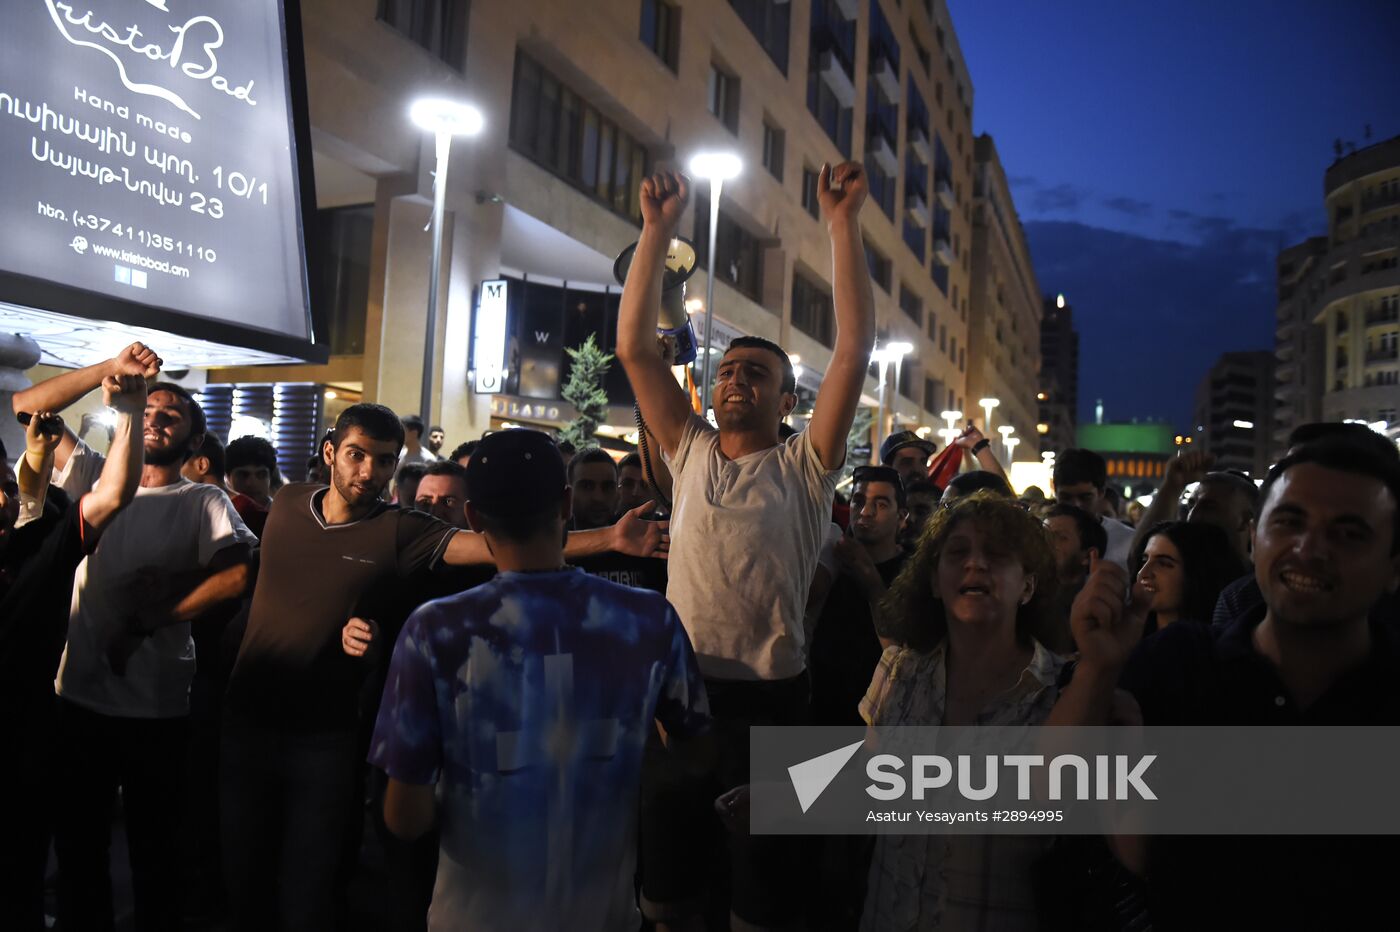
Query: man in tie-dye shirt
pixel 526 703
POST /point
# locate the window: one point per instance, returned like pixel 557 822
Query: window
pixel 811 309
pixel 933 393
pixel 661 30
pixel 724 98
pixel 831 59
pixel 773 139
pixel 810 202
pixel 440 26
pixel 962 360
pixel 943 338
pixel 564 134
pixel 911 304
pixel 339 245
pixel 770 22
pixel 932 326
pixel 738 253
pixel 953 348
pixel 906 380
pixel 879 266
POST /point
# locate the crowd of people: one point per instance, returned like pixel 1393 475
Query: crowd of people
pixel 530 671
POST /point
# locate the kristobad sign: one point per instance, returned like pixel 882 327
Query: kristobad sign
pixel 1026 780
pixel 149 164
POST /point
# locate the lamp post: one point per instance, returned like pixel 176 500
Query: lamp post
pixel 716 168
pixel 1006 430
pixel 987 405
pixel 1011 443
pixel 891 353
pixel 444 119
pixel 952 417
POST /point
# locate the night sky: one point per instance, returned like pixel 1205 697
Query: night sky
pixel 1161 154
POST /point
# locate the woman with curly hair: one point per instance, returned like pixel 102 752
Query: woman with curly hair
pixel 959 623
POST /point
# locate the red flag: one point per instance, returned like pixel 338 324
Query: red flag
pixel 946 465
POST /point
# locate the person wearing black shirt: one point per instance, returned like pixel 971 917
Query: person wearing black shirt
pixel 1326 551
pixel 37 561
pixel 845 647
pixel 593 478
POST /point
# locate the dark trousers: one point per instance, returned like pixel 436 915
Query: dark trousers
pixel 94 755
pixel 679 826
pixel 26 787
pixel 288 804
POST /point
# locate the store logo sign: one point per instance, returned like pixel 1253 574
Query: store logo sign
pixel 489 340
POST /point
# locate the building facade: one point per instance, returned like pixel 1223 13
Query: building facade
pixel 1136 453
pixel 1004 333
pixel 1300 345
pixel 581 101
pixel 1059 376
pixel 1235 410
pixel 1350 284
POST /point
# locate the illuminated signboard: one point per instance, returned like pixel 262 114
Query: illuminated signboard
pixel 489 339
pixel 154 157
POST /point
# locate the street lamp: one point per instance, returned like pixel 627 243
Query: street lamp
pixel 952 417
pixel 1006 430
pixel 1011 443
pixel 716 168
pixel 443 118
pixel 987 405
pixel 891 353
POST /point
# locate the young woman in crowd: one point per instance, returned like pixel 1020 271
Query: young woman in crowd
pixel 960 622
pixel 1184 567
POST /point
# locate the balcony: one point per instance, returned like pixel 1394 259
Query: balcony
pixel 918 141
pixel 917 207
pixel 1382 356
pixel 835 71
pixel 1381 318
pixel 883 73
pixel 879 148
pixel 1284 352
pixel 1284 331
pixel 943 189
pixel 1376 203
pixel 943 251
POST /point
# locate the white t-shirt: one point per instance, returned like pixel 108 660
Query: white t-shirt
pixel 1120 541
pixel 745 536
pixel 424 456
pixel 170 529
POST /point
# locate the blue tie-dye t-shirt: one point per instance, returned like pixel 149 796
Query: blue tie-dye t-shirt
pixel 528 701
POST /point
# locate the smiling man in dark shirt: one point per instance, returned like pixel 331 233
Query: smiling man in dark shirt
pixel 1326 552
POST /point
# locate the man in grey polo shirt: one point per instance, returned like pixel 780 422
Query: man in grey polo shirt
pixel 749 515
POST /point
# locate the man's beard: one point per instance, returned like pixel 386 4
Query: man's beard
pixel 167 456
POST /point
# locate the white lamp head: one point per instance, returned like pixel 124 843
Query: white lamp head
pixel 716 166
pixel 899 349
pixel 441 115
pixel 989 402
pixel 1006 430
pixel 951 415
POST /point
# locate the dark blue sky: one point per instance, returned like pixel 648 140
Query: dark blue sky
pixel 1160 154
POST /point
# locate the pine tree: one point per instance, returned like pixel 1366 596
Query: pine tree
pixel 585 392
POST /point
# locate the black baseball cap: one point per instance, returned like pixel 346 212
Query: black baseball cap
pixel 904 438
pixel 516 473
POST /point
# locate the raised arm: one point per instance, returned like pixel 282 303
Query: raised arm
pixel 59 392
pixel 121 473
pixel 973 441
pixel 1166 504
pixel 36 465
pixel 664 404
pixel 631 535
pixel 842 191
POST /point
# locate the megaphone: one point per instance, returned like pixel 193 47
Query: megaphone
pixel 672 321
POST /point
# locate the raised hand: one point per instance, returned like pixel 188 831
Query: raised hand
pixel 970 437
pixel 1188 468
pixel 125 393
pixel 1106 629
pixel 137 359
pixel 664 196
pixel 38 441
pixel 358 636
pixel 634 535
pixel 842 190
